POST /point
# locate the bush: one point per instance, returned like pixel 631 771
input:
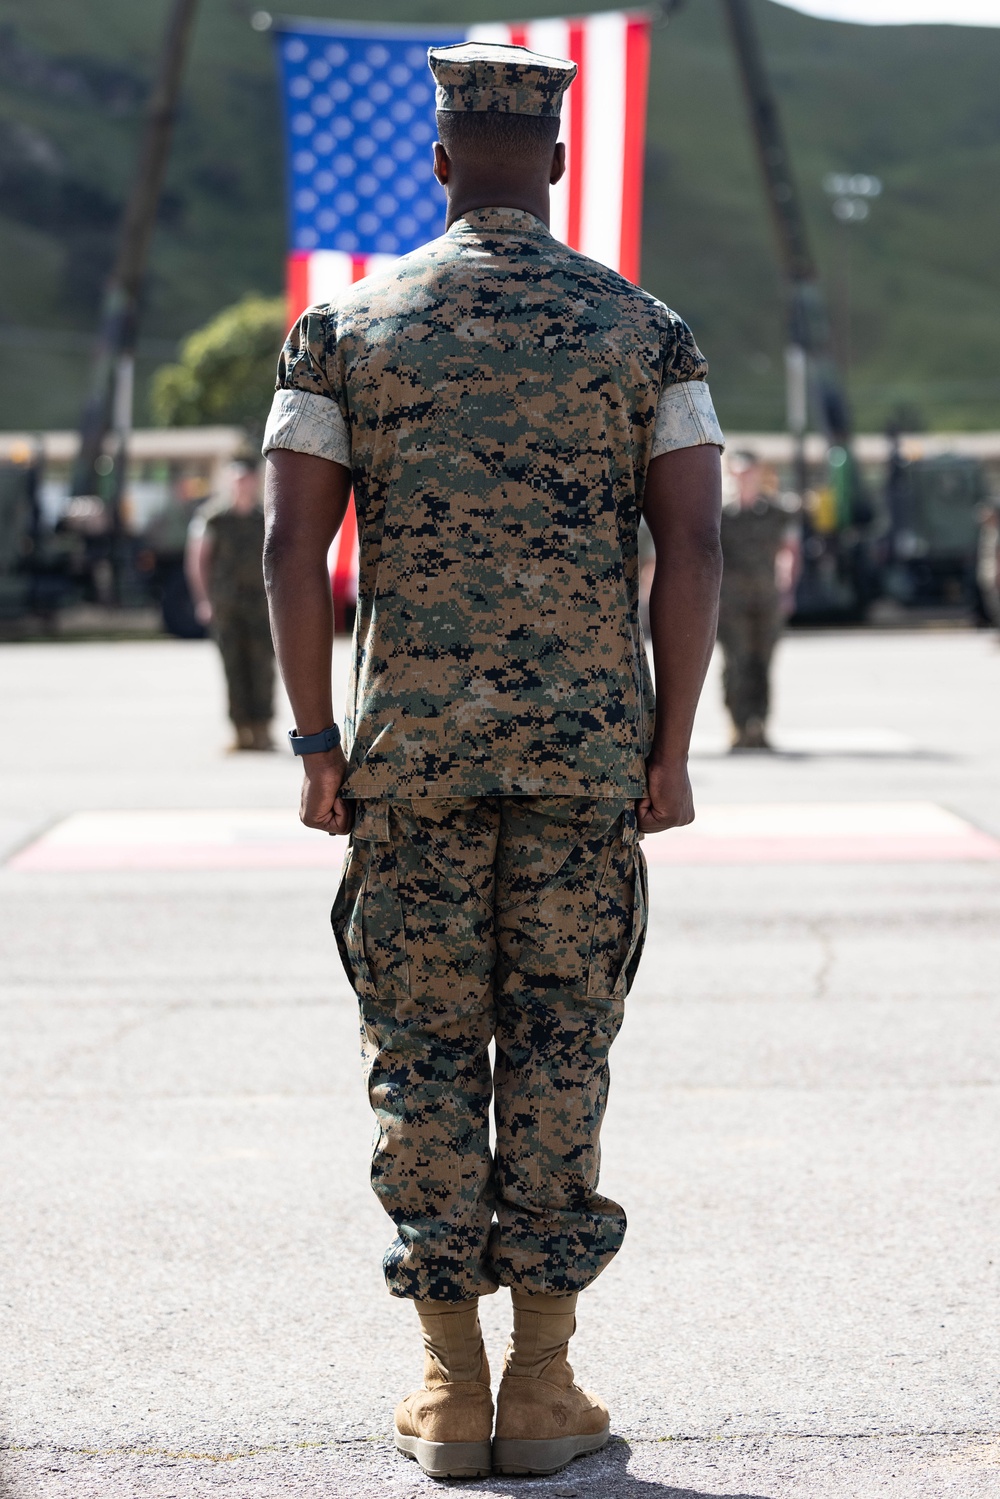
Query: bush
pixel 226 370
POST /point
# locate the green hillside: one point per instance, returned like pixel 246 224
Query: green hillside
pixel 918 106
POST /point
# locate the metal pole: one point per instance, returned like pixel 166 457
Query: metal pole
pixel 121 428
pixel 797 409
pixel 809 327
pixel 119 313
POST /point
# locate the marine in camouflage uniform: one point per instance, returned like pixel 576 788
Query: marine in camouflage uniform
pixel 755 528
pixel 497 452
pixel 226 543
pixel 497 398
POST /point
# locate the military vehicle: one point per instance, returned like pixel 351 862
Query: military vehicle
pixel 934 512
pixel 40 569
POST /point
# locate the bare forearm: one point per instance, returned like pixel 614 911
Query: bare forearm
pixel 305 499
pixel 683 616
pixel 304 503
pixel 301 605
pixel 681 505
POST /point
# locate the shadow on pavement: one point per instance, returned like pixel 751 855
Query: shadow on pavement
pixel 616 1480
pixel 606 1476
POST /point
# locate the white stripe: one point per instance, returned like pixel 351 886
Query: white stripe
pixel 549 37
pixel 490 31
pixel 603 75
pixel 552 39
pixel 330 272
pixel 376 263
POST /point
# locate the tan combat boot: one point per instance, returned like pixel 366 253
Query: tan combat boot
pixel 544 1420
pixel 755 734
pixel 242 740
pixel 447 1425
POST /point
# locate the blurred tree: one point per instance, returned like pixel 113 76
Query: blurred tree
pixel 226 370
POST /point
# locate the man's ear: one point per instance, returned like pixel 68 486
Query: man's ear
pixel 558 168
pixel 442 165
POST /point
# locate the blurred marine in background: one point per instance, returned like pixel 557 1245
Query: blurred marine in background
pixel 223 561
pixel 760 555
pixel 988 560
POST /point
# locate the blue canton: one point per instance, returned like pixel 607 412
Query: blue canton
pixel 359 123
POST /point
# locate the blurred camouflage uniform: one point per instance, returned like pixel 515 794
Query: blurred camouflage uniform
pixel 498 398
pixel 240 621
pixel 988 560
pixel 750 617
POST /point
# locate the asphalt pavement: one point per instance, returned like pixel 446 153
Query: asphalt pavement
pixel 804 1122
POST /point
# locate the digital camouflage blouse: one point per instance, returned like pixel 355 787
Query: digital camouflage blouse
pixel 497 397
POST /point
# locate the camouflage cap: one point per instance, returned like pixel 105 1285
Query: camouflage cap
pixel 487 77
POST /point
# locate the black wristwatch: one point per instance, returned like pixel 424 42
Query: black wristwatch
pixel 314 744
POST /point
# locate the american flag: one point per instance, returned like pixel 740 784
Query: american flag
pixel 359 125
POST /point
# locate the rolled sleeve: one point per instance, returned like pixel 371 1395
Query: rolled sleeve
pixel 307 423
pixel 685 418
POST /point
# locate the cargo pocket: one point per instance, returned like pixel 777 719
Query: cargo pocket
pixel 367 918
pixel 640 919
pixel 345 917
pixel 620 917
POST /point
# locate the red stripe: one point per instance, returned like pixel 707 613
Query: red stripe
pixel 519 36
pixel 297 283
pixel 575 143
pixel 359 267
pixel 637 41
pixel 343 579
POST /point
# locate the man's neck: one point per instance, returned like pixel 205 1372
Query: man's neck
pixel 466 201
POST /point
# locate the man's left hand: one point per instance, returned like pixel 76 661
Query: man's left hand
pixel 669 802
pixel 322 807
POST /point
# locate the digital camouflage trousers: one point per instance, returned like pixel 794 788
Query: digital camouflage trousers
pixel 514 920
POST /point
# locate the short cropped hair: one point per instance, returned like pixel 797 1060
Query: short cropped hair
pixel 489 138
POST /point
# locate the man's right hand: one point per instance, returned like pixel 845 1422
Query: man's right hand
pixel 681 504
pixel 321 806
pixel 669 801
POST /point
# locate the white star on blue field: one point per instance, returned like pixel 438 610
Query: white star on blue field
pixel 360 124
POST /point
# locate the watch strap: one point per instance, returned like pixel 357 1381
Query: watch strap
pixel 314 744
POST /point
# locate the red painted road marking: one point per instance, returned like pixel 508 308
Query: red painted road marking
pixel 266 839
pixel 737 833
